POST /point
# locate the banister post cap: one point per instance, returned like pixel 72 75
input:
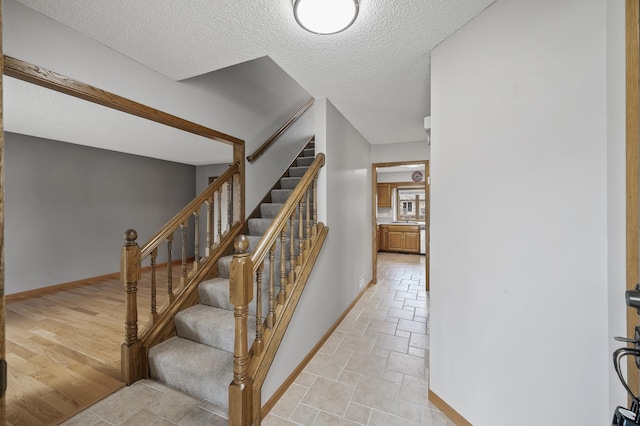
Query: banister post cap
pixel 241 244
pixel 130 235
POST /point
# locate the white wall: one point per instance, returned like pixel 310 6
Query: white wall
pixel 519 317
pixel 396 176
pixel 345 182
pixel 616 187
pixel 404 151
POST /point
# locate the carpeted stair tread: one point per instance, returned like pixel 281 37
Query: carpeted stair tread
pixel 304 161
pixel 259 225
pixel 298 171
pixel 199 370
pixel 270 210
pixel 289 182
pixel 280 195
pixel 210 326
pixel 215 292
pixel 309 152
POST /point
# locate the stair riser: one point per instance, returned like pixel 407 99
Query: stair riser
pixel 211 326
pixel 223 267
pixel 304 161
pixel 217 295
pixel 198 370
pixel 297 171
pixel 289 182
pixel 258 226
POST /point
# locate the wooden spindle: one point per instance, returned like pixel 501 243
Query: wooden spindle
pixel 307 239
pixel 238 198
pixel 283 267
pixel 240 295
pixel 209 203
pixel 300 232
pixel 130 274
pixel 170 269
pixel 314 232
pixel 183 277
pixel 154 311
pixel 271 316
pixel 219 211
pixel 196 250
pixel 229 206
pixel 292 249
pixel 257 344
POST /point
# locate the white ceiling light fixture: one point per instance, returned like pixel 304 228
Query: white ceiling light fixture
pixel 325 16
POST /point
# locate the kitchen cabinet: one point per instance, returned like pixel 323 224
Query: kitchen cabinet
pixel 384 195
pixel 399 238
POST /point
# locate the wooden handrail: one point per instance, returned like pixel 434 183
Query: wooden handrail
pixel 186 212
pixel 44 78
pixel 258 152
pixel 281 219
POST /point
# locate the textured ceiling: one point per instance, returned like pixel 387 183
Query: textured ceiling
pixel 376 73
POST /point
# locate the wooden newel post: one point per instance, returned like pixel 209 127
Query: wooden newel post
pixel 130 274
pixel 241 294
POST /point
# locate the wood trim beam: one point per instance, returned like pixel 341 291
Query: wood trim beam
pixel 447 410
pixel 42 77
pixel 632 169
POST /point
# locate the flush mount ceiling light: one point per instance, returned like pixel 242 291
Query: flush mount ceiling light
pixel 325 16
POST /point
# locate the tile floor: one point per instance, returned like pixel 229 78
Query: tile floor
pixel 373 370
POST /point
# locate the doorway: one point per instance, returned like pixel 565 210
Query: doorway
pixel 400 205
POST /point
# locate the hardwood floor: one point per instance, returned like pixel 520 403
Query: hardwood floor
pixel 63 348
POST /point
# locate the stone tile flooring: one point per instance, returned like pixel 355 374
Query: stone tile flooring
pixel 373 370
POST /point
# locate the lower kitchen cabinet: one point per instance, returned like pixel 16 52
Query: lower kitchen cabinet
pixel 399 238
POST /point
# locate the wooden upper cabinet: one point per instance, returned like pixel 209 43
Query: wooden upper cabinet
pixel 384 195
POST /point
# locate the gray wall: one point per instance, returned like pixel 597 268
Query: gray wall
pixel 67 207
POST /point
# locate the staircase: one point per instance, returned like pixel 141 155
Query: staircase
pixel 199 360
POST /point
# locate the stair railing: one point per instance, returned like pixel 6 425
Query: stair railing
pixel 221 203
pixel 262 148
pixel 297 220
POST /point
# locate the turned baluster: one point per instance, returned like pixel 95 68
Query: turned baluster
pixel 271 316
pixel 240 295
pixel 183 278
pixel 300 231
pixel 237 198
pixel 209 203
pixel 154 312
pixel 130 274
pixel 229 209
pixel 196 250
pixel 292 249
pixel 170 269
pixel 307 240
pixel 314 232
pixel 219 200
pixel 283 267
pixel 259 322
